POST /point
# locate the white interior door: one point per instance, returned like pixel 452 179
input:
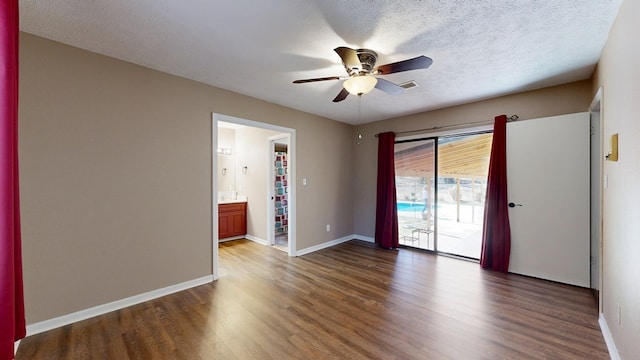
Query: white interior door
pixel 548 175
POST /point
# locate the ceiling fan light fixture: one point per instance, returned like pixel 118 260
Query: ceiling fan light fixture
pixel 358 85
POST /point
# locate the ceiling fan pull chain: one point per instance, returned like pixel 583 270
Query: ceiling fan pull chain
pixel 360 108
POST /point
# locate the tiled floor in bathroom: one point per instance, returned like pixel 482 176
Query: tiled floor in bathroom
pixel 282 242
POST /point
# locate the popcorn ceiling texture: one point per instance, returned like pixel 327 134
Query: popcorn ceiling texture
pixel 480 49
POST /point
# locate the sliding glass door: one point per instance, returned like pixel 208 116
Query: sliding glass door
pixel 415 191
pixel 441 187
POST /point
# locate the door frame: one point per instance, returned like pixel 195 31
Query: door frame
pixel 596 112
pixel 272 141
pixel 215 117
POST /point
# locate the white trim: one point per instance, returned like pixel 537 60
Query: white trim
pixel 16 345
pixel 283 138
pixel 256 239
pixel 214 197
pixel 293 191
pixel 608 338
pixel 271 236
pixel 232 238
pixel 364 238
pixel 324 245
pixel 597 105
pixel 63 320
pixel 248 237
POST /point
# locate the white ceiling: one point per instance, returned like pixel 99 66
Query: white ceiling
pixel 480 49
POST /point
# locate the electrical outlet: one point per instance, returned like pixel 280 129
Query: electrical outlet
pixel 328 227
pixel 619 314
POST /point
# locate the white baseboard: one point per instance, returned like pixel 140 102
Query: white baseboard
pixel 231 238
pixel 364 238
pixel 248 237
pixel 256 239
pixel 15 347
pixel 608 338
pixel 324 245
pixel 63 320
pixel 316 247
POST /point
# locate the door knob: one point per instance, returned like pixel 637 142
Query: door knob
pixel 514 204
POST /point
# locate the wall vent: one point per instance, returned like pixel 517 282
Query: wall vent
pixel 408 84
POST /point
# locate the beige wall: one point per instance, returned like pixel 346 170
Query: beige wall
pixel 254 153
pixel 564 99
pixel 619 74
pixel 116 176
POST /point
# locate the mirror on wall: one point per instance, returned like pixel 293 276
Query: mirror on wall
pixel 226 173
pixel 226 162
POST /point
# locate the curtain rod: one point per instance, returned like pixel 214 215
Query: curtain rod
pixel 487 122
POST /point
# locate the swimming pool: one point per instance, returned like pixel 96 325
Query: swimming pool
pixel 413 206
pixel 410 206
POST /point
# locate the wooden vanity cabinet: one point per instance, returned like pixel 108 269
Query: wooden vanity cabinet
pixel 232 220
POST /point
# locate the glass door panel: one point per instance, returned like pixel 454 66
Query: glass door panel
pixel 463 163
pixel 415 189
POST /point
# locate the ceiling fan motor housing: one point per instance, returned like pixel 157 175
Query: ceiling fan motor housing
pixel 367 59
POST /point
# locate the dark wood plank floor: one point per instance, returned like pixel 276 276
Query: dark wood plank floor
pixel 352 301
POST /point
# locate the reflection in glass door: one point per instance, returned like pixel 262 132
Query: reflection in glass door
pixel 442 211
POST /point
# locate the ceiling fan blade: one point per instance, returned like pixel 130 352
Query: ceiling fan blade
pixel 349 58
pixel 341 96
pixel 420 62
pixel 389 87
pixel 317 79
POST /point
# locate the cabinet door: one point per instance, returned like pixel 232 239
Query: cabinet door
pixel 232 220
pixel 238 223
pixel 224 225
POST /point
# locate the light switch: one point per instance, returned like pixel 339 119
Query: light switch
pixel 304 181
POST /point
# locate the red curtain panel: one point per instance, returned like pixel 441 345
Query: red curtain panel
pixel 386 207
pixel 12 321
pixel 496 234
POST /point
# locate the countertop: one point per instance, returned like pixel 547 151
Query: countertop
pixel 231 201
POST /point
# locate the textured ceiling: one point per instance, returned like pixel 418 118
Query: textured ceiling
pixel 480 49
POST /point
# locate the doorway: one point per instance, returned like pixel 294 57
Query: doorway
pixel 279 192
pixel 253 181
pixel 596 189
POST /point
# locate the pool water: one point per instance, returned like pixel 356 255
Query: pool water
pixel 409 206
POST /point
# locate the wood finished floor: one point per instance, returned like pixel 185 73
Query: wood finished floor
pixel 352 301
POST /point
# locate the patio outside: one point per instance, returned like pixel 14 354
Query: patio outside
pixel 459 226
pixel 459 209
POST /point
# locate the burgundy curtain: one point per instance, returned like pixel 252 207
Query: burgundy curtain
pixel 386 207
pixel 12 321
pixel 496 234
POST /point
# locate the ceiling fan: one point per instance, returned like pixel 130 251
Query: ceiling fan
pixel 360 65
